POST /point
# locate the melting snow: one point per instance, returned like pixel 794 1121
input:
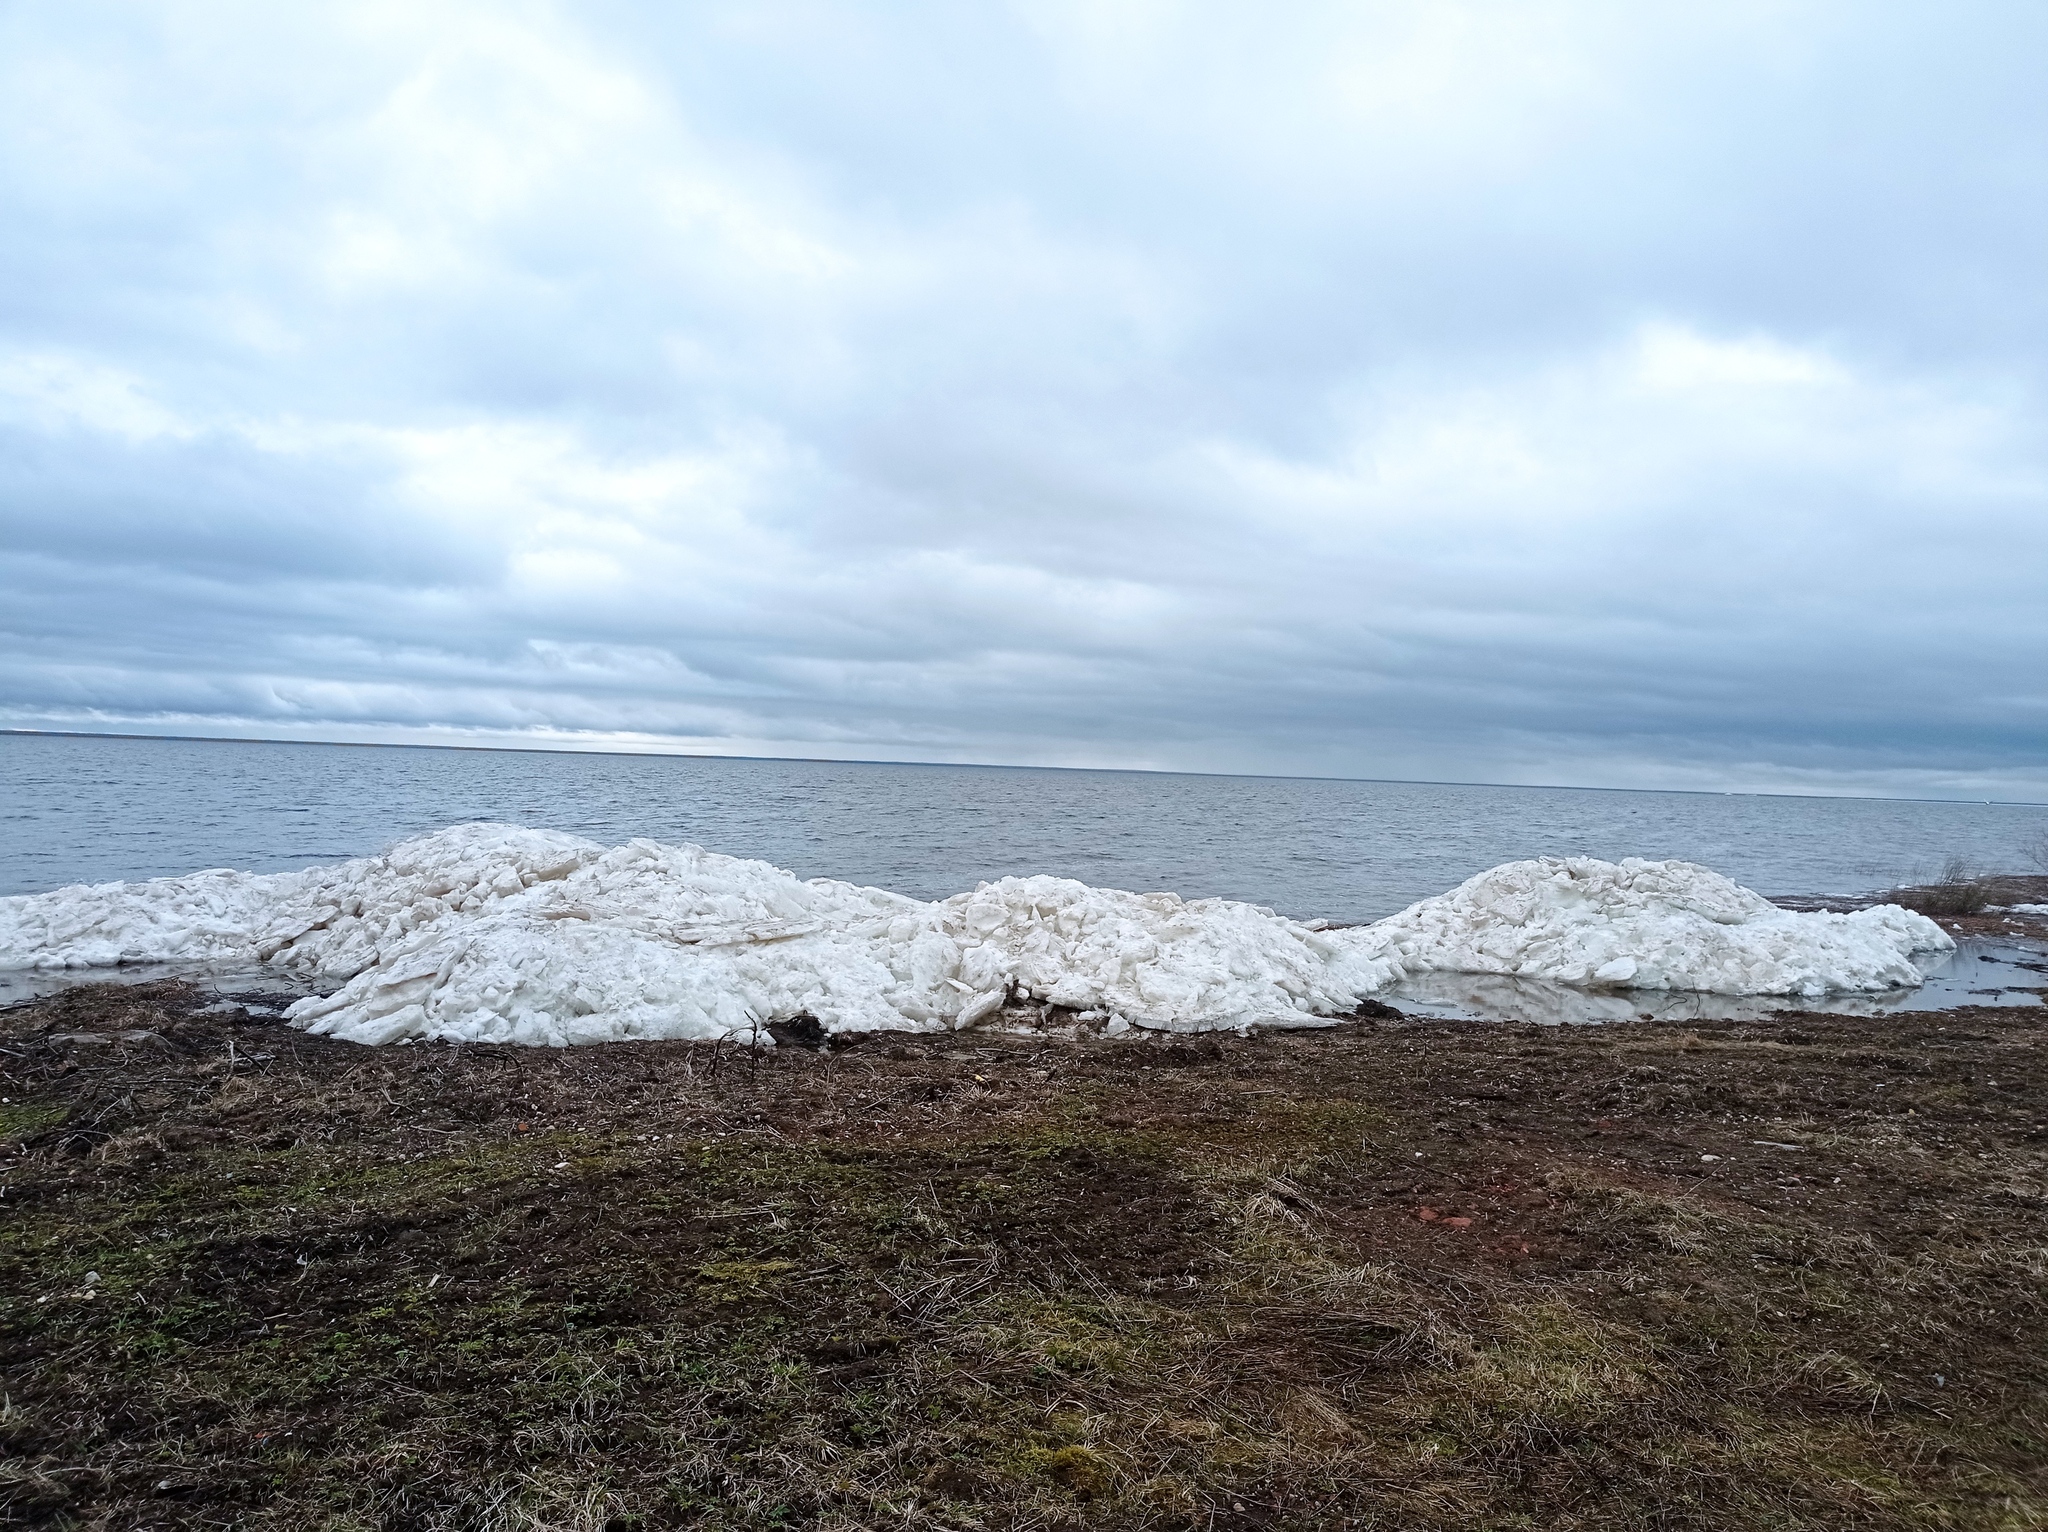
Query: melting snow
pixel 495 933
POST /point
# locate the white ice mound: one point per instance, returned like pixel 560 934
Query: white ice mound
pixel 493 933
pixel 325 922
pixel 1650 925
pixel 1155 959
pixel 203 917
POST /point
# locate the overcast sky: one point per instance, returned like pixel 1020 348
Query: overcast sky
pixel 1618 394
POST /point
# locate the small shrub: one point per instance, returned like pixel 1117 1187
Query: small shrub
pixel 1958 891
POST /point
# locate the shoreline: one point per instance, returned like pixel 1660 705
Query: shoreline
pixel 495 932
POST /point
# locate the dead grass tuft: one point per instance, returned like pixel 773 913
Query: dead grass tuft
pixel 1959 890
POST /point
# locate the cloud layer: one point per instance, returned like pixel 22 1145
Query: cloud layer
pixel 1607 394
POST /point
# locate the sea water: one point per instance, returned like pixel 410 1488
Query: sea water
pixel 94 809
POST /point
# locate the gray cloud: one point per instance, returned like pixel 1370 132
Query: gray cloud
pixel 1618 395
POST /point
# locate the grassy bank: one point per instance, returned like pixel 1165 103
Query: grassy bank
pixel 1400 1275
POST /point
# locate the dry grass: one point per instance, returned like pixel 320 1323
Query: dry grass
pixel 1959 890
pixel 990 1284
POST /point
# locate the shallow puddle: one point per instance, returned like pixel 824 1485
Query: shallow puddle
pixel 1980 971
pixel 18 985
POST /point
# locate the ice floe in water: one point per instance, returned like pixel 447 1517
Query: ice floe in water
pixel 496 933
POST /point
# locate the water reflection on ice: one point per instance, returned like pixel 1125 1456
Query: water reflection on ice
pixel 18 985
pixel 1978 972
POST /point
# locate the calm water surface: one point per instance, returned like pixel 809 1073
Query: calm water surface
pixel 84 810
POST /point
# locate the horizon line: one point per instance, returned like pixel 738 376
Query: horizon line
pixel 1156 771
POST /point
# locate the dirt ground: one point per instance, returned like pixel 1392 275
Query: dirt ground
pixel 1398 1274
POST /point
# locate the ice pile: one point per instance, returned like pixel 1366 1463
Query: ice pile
pixel 322 922
pixel 496 933
pixel 1651 925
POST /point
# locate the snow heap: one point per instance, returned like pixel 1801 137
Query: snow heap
pixel 1651 925
pixel 495 933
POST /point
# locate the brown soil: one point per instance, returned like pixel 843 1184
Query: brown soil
pixel 1400 1274
pixel 1998 919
